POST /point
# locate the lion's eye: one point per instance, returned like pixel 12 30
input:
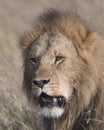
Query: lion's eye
pixel 58 59
pixel 33 61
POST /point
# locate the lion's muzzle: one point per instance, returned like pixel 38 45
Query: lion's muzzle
pixel 51 101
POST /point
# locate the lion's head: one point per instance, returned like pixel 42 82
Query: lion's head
pixel 61 74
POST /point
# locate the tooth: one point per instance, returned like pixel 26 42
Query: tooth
pixel 54 99
pixel 43 99
pixel 60 98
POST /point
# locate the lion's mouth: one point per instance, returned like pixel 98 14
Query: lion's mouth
pixel 51 101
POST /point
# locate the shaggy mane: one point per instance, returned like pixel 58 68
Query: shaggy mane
pixel 90 47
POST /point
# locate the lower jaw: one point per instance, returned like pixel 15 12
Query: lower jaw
pixel 53 112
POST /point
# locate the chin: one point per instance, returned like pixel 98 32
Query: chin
pixel 52 106
pixel 54 112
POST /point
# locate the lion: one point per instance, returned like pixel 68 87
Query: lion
pixel 64 72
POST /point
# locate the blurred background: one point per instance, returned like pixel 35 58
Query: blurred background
pixel 16 18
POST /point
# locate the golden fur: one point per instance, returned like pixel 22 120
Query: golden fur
pixel 81 71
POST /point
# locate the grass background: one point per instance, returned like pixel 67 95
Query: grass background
pixel 17 17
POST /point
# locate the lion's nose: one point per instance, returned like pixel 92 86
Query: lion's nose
pixel 40 83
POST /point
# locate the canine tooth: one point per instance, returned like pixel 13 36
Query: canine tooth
pixel 43 99
pixel 60 99
pixel 54 99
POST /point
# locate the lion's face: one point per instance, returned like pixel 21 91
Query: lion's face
pixel 51 58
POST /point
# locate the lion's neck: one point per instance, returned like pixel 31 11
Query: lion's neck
pixel 56 124
pixel 48 124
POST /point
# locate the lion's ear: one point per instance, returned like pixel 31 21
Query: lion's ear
pixel 83 38
pixel 86 42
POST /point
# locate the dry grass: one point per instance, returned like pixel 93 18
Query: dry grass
pixel 16 17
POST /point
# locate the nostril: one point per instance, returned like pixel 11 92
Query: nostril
pixel 45 81
pixel 35 82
